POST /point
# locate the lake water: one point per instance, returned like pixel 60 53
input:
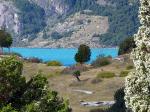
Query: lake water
pixel 64 55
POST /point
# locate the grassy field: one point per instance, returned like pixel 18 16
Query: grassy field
pixel 103 89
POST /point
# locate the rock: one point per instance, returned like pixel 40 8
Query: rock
pixel 8 17
pixel 97 103
pixel 84 91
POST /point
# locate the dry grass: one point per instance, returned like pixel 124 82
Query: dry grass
pixel 65 84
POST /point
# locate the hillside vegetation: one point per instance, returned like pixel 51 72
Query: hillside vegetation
pixel 122 14
pixel 37 20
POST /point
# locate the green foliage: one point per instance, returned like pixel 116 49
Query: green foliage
pixel 120 12
pixel 119 105
pixel 138 81
pixel 26 96
pixel 83 54
pixel 124 73
pixel 126 46
pixel 54 63
pixel 8 108
pixel 105 75
pixel 101 61
pixel 5 39
pixel 49 103
pixel 77 73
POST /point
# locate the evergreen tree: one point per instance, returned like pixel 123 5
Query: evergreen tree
pixel 126 46
pixel 138 82
pixel 83 54
pixel 5 39
pixel 19 95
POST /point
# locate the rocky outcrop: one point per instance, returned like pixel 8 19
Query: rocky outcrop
pixel 75 30
pixel 52 7
pixel 9 18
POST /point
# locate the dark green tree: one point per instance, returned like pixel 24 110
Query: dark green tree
pixel 19 95
pixel 119 105
pixel 77 75
pixel 83 55
pixel 2 38
pixel 8 42
pixel 5 39
pixel 126 46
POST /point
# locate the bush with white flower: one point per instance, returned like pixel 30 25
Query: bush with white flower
pixel 138 82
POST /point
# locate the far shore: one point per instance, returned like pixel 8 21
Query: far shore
pixel 65 47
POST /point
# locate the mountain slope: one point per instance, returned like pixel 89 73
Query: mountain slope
pixel 75 30
pixel 38 22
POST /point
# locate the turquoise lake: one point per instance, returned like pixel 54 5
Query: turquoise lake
pixel 64 55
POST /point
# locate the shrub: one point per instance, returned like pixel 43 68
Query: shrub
pixel 129 67
pixel 101 61
pixel 83 55
pixel 119 105
pixel 126 46
pixel 54 63
pixel 124 73
pixel 23 95
pixel 106 75
pixel 33 60
pixel 77 75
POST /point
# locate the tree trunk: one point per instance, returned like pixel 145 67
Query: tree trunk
pixel 9 50
pixel 2 49
pixel 78 78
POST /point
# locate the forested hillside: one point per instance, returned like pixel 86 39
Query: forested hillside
pixel 39 19
pixel 122 14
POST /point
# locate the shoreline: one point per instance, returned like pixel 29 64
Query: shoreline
pixel 65 48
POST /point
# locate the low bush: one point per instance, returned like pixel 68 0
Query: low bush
pixel 106 75
pixel 33 60
pixel 54 63
pixel 129 67
pixel 124 73
pixel 101 61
